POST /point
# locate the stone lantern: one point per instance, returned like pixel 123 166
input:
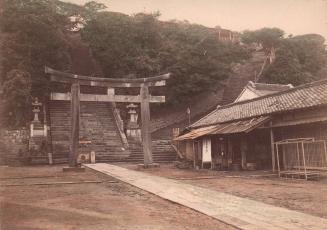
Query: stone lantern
pixel 132 128
pixel 36 110
pixel 37 129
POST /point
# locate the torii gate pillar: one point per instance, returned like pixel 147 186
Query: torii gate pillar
pixel 76 96
pixel 145 117
pixel 75 117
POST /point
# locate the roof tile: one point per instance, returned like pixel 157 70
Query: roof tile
pixel 304 96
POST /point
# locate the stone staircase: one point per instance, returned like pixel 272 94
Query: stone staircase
pixel 162 152
pixel 98 131
pixel 98 128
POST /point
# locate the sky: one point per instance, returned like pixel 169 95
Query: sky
pixel 293 16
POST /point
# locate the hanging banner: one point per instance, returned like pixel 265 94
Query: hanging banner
pixel 206 149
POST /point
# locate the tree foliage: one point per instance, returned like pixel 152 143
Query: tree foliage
pixel 267 37
pixel 94 6
pixel 142 46
pixel 124 45
pixel 299 60
pixel 33 37
pixel 17 89
pixel 34 34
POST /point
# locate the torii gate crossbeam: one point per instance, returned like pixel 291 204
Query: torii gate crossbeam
pixel 75 97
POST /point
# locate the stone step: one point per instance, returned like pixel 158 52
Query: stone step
pixel 98 126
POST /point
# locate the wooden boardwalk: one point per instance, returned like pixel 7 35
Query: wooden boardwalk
pixel 236 211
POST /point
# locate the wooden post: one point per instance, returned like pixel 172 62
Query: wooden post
pixel 277 160
pixel 305 169
pixel 284 157
pixel 50 158
pixel 230 152
pixel 272 148
pixel 145 117
pixel 75 113
pixel 243 152
pixel 325 149
pixel 298 156
pixel 193 150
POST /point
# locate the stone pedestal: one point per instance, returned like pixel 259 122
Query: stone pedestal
pixel 149 166
pixel 37 129
pixel 132 128
pixel 73 169
pixel 36 110
pixel 38 151
pixel 92 157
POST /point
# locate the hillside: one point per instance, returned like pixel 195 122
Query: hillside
pixel 38 33
pixel 165 119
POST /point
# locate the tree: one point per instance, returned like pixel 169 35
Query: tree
pixel 142 46
pixel 124 45
pixel 34 36
pixel 17 91
pixel 299 60
pixel 94 6
pixel 267 37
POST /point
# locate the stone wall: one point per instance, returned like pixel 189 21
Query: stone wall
pixel 13 145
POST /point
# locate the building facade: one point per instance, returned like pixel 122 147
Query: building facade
pixel 244 134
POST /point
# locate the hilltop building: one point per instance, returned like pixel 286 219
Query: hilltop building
pixel 228 35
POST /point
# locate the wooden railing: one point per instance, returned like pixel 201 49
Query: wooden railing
pixel 120 125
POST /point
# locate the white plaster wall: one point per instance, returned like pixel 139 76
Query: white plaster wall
pixel 246 95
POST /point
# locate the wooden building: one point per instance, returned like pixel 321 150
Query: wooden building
pixel 254 89
pixel 243 134
pixel 228 35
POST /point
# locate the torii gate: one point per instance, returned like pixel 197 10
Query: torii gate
pixel 75 97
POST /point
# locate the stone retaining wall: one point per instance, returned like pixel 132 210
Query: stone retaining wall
pixel 13 145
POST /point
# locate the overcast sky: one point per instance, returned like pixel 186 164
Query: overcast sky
pixel 293 16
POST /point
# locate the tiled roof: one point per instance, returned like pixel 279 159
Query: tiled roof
pixel 240 126
pixel 262 89
pixel 304 96
pixel 269 87
pixel 225 128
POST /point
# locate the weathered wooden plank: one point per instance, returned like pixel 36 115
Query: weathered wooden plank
pixel 243 151
pixel 106 98
pixel 145 117
pixel 62 77
pixel 75 115
pixel 272 148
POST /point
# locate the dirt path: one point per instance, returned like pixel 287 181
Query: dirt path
pixel 240 212
pixel 305 196
pixel 104 205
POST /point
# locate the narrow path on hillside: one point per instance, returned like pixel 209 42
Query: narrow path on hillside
pixel 82 60
pixel 205 102
pixel 239 212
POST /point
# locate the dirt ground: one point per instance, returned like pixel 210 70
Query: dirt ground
pixel 95 201
pixel 306 196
